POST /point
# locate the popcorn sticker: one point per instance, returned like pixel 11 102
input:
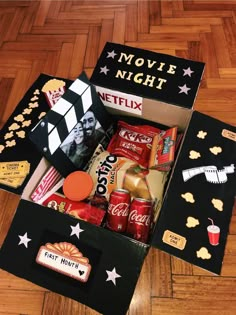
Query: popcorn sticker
pixel 193 155
pixel 192 222
pixel 27 111
pixel 21 134
pixel 35 98
pixel 14 126
pixel 53 90
pixel 41 115
pixel 2 147
pixel 36 92
pixel 217 203
pixel 188 197
pixel 201 134
pixel 216 150
pixel 203 253
pixel 8 135
pixel 26 123
pixel 19 118
pixel 33 105
pixel 11 143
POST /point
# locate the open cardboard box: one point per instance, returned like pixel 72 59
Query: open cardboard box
pixel 204 164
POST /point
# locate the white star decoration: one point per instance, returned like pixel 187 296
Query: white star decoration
pixel 76 230
pixel 24 240
pixel 111 54
pixel 104 70
pixel 188 72
pixel 184 89
pixel 112 275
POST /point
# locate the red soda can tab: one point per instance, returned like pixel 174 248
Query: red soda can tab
pixel 118 210
pixel 139 220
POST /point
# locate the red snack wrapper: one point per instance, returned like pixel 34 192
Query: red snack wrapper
pixel 163 149
pixel 78 209
pixel 133 142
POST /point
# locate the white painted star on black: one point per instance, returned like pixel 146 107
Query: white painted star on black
pixel 104 70
pixel 24 240
pixel 111 54
pixel 184 89
pixel 76 230
pixel 188 72
pixel 112 275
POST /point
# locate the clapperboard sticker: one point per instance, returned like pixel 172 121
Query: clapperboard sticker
pixel 70 132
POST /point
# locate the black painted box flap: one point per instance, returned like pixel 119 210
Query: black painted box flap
pixel 147 74
pixel 195 216
pixel 115 261
pixel 14 142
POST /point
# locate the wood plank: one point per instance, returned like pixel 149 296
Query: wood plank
pixel 161 274
pixel 131 23
pixel 63 38
pixel 21 302
pixel 193 307
pixel 204 288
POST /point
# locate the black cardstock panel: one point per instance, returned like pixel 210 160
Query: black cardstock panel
pixel 106 250
pixel 175 210
pixel 170 90
pixel 24 149
pixel 39 135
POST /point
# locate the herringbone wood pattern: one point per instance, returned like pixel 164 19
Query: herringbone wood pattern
pixel 64 37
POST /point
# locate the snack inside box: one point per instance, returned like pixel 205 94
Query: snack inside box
pixel 151 159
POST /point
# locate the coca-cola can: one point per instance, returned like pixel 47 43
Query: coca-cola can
pixel 139 220
pixel 118 210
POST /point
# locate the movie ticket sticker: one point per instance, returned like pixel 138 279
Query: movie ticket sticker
pixel 14 169
pixel 174 239
pixel 229 134
pixel 12 182
pixel 66 259
pixel 13 173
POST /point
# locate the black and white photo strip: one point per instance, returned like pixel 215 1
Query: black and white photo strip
pixel 83 139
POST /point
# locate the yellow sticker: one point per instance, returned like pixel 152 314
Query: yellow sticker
pixel 229 134
pixel 14 169
pixel 174 239
pixel 12 182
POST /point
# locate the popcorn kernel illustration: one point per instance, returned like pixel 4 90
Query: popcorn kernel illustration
pixel 8 135
pixel 19 118
pixel 217 203
pixel 26 123
pixel 188 197
pixel 27 111
pixel 35 98
pixel 21 134
pixel 201 134
pixel 192 222
pixel 203 253
pixel 216 150
pixel 1 148
pixel 41 115
pixel 193 155
pixel 36 92
pixel 14 126
pixel 33 105
pixel 11 143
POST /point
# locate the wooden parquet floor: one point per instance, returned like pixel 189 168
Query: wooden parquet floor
pixel 63 38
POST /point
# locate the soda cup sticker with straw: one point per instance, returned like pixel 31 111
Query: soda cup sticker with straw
pixel 213 233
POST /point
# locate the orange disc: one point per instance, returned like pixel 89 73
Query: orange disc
pixel 77 185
